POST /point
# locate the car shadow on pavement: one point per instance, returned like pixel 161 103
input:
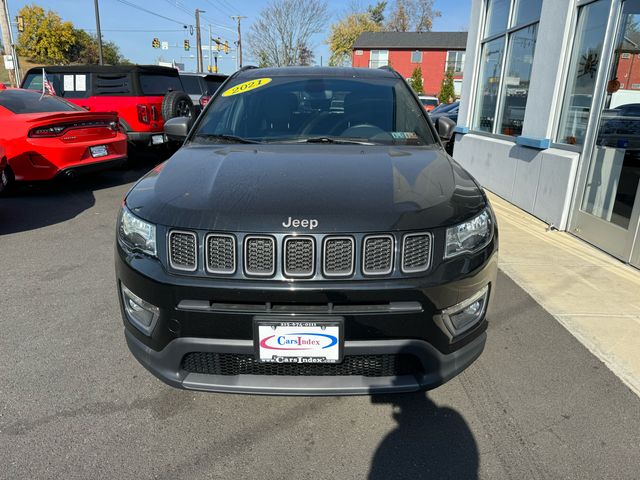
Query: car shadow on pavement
pixel 429 442
pixel 37 205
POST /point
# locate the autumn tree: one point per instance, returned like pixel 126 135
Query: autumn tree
pixel 416 80
pixel 344 34
pixel 46 38
pixel 412 16
pixel 376 12
pixel 447 89
pixel 283 27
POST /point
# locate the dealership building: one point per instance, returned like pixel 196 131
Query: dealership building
pixel 433 52
pixel 550 114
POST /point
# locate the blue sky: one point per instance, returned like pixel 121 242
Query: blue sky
pixel 133 30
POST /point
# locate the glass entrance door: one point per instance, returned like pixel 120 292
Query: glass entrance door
pixel 608 207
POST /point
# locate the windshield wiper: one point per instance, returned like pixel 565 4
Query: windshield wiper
pixel 225 138
pixel 342 140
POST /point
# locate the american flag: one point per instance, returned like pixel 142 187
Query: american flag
pixel 47 86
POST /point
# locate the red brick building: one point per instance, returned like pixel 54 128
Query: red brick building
pixel 435 52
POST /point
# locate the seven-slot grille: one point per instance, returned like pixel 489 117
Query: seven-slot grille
pixel 183 250
pixel 259 255
pixel 299 256
pixel 416 252
pixel 338 256
pixel 377 258
pixel 220 253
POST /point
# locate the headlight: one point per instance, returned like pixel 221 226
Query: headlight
pixel 136 234
pixel 469 236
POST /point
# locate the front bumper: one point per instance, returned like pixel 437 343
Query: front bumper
pixel 228 329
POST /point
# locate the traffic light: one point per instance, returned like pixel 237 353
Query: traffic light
pixel 20 20
pixel 186 45
pixel 226 46
pixel 155 43
pixel 218 44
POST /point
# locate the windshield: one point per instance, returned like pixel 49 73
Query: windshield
pixel 159 84
pixel 26 101
pixel 191 84
pixel 299 109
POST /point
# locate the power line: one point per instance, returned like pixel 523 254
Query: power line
pixel 142 9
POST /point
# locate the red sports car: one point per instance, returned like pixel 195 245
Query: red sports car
pixel 45 136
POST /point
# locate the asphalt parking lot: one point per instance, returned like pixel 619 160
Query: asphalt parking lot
pixel 75 404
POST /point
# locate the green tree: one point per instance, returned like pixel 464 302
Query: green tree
pixel 46 38
pixel 85 50
pixel 344 33
pixel 447 90
pixel 416 80
pixel 376 12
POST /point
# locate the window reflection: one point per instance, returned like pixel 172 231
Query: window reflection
pixel 487 95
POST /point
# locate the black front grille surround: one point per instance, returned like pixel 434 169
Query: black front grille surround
pixel 183 250
pixel 220 253
pixel 232 364
pixel 416 252
pixel 259 255
pixel 338 255
pixel 378 253
pixel 299 256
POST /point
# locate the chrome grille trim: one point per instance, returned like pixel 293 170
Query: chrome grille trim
pixel 426 251
pixel 326 271
pixel 365 250
pixel 287 256
pixel 259 273
pixel 233 254
pixel 183 267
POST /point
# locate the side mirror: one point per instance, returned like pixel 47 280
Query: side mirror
pixel 177 128
pixel 445 128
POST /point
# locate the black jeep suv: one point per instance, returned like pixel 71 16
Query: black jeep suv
pixel 311 236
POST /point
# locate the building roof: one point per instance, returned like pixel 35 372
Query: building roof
pixel 413 40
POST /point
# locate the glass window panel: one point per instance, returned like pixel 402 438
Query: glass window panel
pixel 522 45
pixel 379 58
pixel 455 61
pixel 583 67
pixel 527 11
pixel 611 190
pixel 488 84
pixel 416 57
pixel 497 17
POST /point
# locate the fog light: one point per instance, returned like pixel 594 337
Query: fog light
pixel 466 314
pixel 140 313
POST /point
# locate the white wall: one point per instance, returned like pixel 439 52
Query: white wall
pixel 538 181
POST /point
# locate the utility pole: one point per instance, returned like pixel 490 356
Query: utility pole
pixel 95 4
pixel 210 50
pixel 199 68
pixel 7 41
pixel 238 18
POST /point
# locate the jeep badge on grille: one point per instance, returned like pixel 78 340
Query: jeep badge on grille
pixel 309 223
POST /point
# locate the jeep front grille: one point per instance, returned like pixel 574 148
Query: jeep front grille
pixel 299 256
pixel 377 258
pixel 220 253
pixel 183 248
pixel 259 255
pixel 338 256
pixel 416 252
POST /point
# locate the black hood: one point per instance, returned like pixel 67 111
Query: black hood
pixel 344 188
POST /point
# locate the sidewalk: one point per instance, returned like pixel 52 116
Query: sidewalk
pixel 593 295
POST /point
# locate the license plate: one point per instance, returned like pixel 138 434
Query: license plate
pixel 157 139
pixel 311 341
pixel 99 151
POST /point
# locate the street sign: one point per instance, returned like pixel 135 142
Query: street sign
pixel 8 62
pixel 165 45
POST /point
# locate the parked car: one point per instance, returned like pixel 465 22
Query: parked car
pixel 289 250
pixel 4 179
pixel 429 102
pixel 46 136
pixel 200 87
pixel 144 96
